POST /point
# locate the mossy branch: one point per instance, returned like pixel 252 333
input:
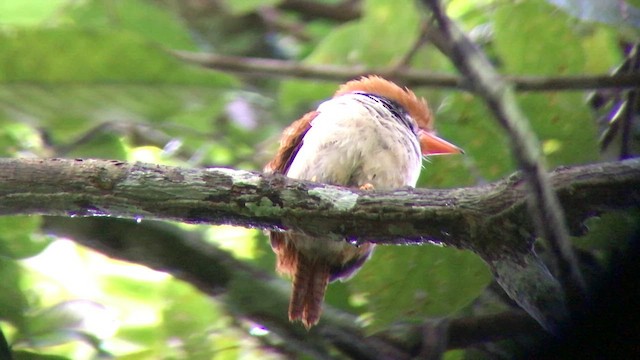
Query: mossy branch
pixel 490 220
pixel 458 217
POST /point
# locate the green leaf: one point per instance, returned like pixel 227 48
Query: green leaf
pixel 614 12
pixel 455 355
pixel 564 125
pixel 101 77
pixel 296 97
pixel 410 282
pixel 387 22
pixel 243 7
pixel 69 321
pixel 28 355
pixel 132 289
pixel 191 317
pixel 363 42
pixel 610 233
pixel 465 121
pixel 13 302
pixel 147 336
pixel 101 146
pixel 17 138
pixel 188 312
pixel 142 17
pixel 601 50
pixel 531 38
pixel 69 111
pixel 465 9
pixel 28 12
pixel 340 46
pixel 94 56
pixel 20 237
pixel 366 42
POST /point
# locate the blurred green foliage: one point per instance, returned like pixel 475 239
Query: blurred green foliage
pixel 94 78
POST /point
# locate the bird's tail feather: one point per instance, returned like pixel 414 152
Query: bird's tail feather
pixel 310 281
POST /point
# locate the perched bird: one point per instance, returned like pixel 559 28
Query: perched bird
pixel 371 134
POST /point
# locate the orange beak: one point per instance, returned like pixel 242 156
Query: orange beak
pixel 433 145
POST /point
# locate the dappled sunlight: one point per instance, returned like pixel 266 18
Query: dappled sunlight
pixel 241 242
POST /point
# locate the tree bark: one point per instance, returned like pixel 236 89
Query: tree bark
pixel 462 217
pixel 490 220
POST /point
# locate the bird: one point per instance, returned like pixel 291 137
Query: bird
pixel 372 134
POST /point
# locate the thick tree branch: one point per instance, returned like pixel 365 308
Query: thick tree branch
pixel 457 217
pixel 490 220
pixel 544 205
pixel 409 77
pixel 249 293
pixel 222 196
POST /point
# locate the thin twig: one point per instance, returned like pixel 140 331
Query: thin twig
pixel 405 60
pixel 499 96
pixel 345 10
pixel 273 18
pixel 631 110
pixel 5 350
pixel 201 263
pixel 263 67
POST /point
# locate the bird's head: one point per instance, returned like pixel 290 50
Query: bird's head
pixel 416 107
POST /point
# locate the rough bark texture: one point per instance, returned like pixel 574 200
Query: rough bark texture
pixel 490 220
pixel 464 217
pixel 544 206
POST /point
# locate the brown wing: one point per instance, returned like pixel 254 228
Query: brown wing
pixel 290 143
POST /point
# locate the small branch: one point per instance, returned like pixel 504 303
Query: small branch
pixel 345 10
pixel 632 109
pixel 621 107
pixel 272 17
pixel 186 256
pixel 405 60
pixel 213 271
pixel 464 332
pixel 500 98
pixel 271 67
pixel 5 350
pixel 469 331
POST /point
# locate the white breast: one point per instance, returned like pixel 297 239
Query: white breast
pixel 354 140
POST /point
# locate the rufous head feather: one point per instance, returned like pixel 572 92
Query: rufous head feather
pixel 372 84
pixel 416 107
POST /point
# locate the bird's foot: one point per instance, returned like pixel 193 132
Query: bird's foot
pixel 367 187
